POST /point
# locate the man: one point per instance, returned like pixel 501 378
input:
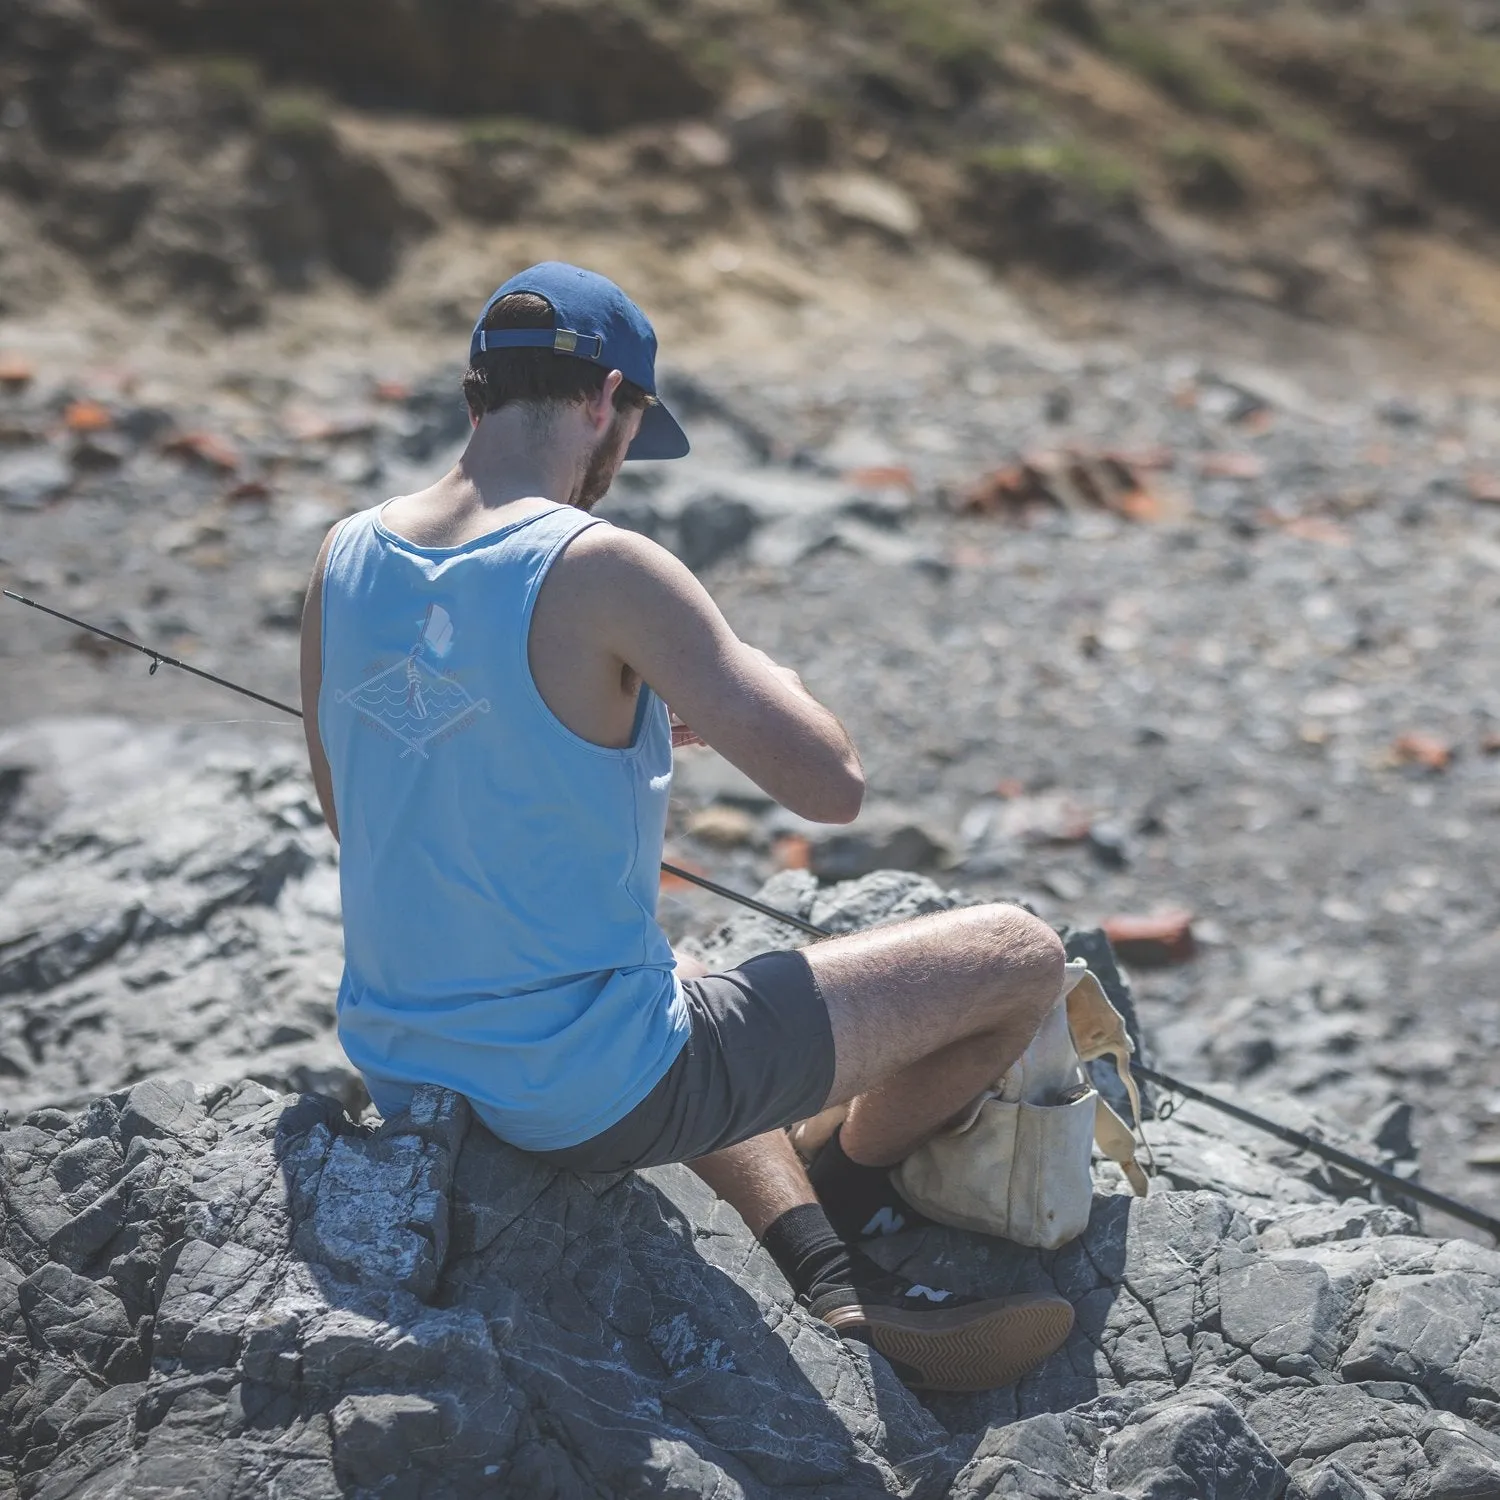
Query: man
pixel 487 668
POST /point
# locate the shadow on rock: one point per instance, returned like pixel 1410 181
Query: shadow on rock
pixel 493 1326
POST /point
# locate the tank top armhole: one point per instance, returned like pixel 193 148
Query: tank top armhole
pixel 341 530
pixel 528 607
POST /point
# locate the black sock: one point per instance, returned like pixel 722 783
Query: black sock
pixel 862 1202
pixel 807 1251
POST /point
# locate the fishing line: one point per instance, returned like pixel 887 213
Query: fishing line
pixel 1300 1139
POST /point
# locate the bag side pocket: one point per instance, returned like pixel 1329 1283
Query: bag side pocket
pixel 1019 1170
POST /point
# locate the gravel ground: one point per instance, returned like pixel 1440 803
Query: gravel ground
pixel 1204 711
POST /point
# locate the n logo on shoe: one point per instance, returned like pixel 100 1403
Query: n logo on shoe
pixel 926 1291
pixel 885 1220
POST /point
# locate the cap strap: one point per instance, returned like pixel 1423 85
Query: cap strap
pixel 564 340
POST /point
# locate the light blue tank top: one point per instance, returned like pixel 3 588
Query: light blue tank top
pixel 499 873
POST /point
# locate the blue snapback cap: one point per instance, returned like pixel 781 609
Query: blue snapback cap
pixel 593 320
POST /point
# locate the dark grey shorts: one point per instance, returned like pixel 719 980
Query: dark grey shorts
pixel 759 1056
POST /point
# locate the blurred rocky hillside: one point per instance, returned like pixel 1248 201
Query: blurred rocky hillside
pixel 1335 159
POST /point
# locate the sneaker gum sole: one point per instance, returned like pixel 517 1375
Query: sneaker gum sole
pixel 974 1348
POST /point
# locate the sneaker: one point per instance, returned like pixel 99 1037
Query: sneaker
pixel 938 1340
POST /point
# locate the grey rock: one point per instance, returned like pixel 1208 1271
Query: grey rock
pixel 30 478
pixel 220 1288
pixel 172 907
pixel 889 843
pixel 1191 1447
pixel 414 1307
pixel 710 527
pixel 1342 1221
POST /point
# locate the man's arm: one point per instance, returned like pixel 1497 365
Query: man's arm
pixel 650 611
pixel 312 681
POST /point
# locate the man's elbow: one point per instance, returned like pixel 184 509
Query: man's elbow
pixel 842 798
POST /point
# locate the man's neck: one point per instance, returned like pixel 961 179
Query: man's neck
pixel 508 459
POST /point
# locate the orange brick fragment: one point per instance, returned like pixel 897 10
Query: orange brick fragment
pixel 1073 479
pixel 1166 937
pixel 1418 749
pixel 792 852
pixel 392 390
pixel 1231 465
pixel 1317 529
pixel 882 477
pixel 15 373
pixel 203 448
pixel 87 416
pixel 999 490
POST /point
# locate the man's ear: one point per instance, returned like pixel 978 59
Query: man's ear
pixel 601 407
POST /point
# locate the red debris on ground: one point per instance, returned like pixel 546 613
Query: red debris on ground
pixel 1231 465
pixel 249 490
pixel 792 852
pixel 1158 456
pixel 1074 480
pixel 1308 528
pixel 1419 749
pixel 392 390
pixel 1485 487
pixel 203 448
pixel 882 477
pixel 87 416
pixel 1166 937
pixel 15 373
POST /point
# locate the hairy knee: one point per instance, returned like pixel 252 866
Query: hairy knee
pixel 1029 951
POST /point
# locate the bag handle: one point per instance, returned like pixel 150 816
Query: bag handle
pixel 1099 1031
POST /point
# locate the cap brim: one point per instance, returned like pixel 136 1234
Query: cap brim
pixel 659 436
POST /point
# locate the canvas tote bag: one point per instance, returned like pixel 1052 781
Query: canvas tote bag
pixel 1017 1164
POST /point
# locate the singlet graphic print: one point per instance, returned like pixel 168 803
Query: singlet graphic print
pixel 412 700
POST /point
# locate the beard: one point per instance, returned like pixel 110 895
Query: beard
pixel 604 463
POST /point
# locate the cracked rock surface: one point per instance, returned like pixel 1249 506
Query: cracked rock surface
pixel 213 1286
pixel 168 906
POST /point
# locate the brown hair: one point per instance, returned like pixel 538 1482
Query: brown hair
pixel 542 378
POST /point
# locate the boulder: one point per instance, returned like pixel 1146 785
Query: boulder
pixel 212 1285
pixel 241 1293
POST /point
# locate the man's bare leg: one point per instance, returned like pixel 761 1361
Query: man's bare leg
pixel 760 1178
pixel 929 1013
pixel 926 1014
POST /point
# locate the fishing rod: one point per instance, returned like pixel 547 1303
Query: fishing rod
pixel 160 658
pixel 1300 1139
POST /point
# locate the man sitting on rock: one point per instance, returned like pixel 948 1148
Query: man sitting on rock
pixel 487 666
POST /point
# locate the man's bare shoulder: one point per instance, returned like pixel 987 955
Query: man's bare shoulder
pixel 636 596
pixel 610 556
